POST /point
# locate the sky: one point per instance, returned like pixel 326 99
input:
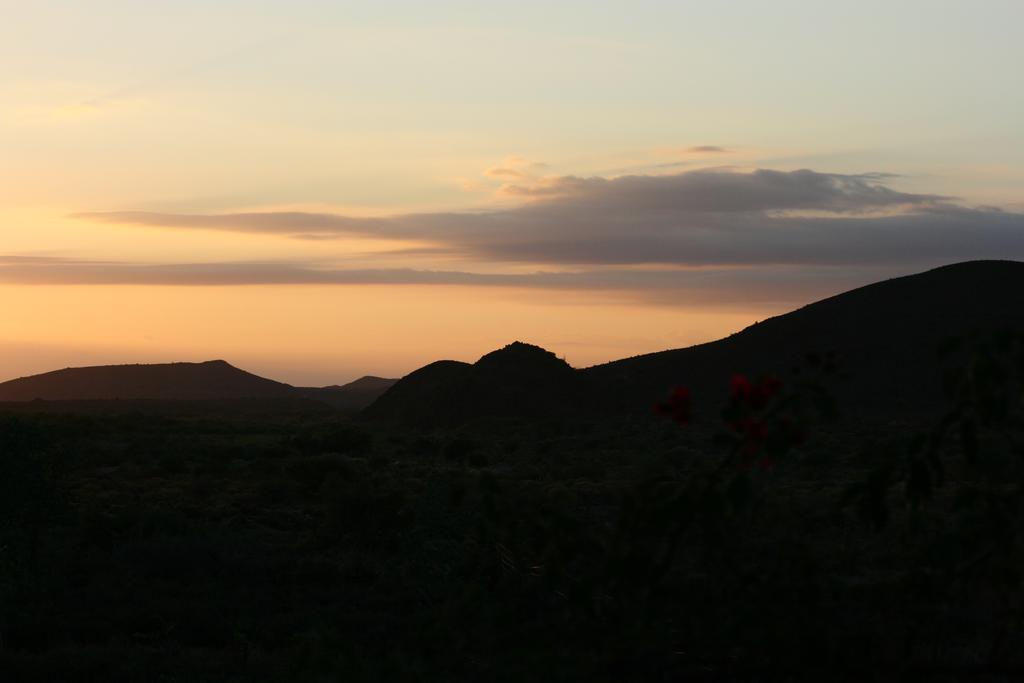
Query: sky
pixel 316 191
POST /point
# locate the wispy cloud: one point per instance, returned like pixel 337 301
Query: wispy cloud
pixel 708 149
pixel 664 286
pixel 516 168
pixel 716 217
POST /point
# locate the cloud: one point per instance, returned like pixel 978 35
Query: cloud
pixel 709 217
pixel 291 223
pixel 503 172
pixel 663 286
pixel 708 149
pixel 516 168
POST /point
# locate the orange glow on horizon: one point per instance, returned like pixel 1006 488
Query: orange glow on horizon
pixel 330 334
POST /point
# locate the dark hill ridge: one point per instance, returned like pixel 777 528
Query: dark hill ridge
pixel 519 380
pixel 885 336
pixel 520 357
pixel 368 384
pixel 214 380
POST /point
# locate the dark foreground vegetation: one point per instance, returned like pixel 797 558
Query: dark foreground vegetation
pixel 781 542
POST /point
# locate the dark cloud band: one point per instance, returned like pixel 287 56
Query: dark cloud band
pixel 697 218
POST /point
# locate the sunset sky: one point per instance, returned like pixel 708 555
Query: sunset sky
pixel 319 190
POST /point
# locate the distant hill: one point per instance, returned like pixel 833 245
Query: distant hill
pixel 353 396
pixel 519 380
pixel 884 335
pixel 214 380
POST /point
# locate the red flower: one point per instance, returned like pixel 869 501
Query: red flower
pixel 755 396
pixel 677 406
pixel 740 387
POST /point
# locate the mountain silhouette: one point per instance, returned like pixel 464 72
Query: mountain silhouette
pixel 884 336
pixel 518 380
pixel 206 381
pixel 355 395
pixel 214 379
